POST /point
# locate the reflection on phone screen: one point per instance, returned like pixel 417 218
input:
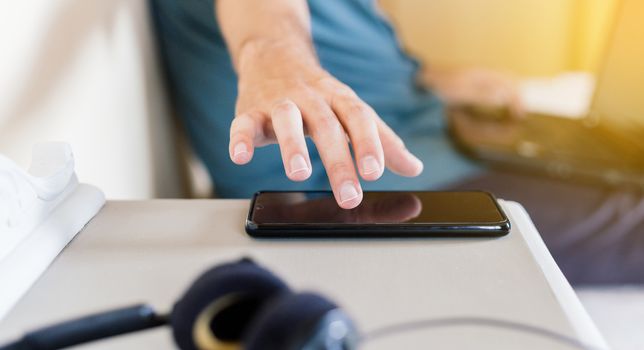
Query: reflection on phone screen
pixel 376 207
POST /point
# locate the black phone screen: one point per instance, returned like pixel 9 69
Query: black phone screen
pixel 448 211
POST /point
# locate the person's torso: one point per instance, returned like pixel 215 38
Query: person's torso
pixel 356 44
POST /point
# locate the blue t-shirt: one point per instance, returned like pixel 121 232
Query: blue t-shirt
pixel 353 42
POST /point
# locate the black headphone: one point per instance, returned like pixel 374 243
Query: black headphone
pixel 242 303
pixel 239 302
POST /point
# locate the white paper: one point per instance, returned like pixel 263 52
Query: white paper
pixel 40 212
pixel 27 198
pixel 568 95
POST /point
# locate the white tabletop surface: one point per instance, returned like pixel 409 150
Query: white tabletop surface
pixel 150 251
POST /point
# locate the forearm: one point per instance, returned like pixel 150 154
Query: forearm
pixel 253 28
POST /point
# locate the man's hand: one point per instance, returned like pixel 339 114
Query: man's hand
pixel 477 87
pixel 283 95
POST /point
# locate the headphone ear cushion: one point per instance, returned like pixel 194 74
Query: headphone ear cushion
pixel 241 287
pixel 287 322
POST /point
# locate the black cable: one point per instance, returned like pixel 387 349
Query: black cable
pixel 12 346
pixel 90 328
pixel 142 317
pixel 472 321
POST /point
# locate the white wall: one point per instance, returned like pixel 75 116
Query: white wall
pixel 86 72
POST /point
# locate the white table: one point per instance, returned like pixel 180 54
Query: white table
pixel 150 251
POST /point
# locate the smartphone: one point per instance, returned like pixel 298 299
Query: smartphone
pixel 316 214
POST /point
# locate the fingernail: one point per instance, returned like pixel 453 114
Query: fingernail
pixel 370 165
pixel 420 165
pixel 298 164
pixel 348 192
pixel 240 152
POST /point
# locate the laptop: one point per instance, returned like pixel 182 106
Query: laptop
pixel 606 144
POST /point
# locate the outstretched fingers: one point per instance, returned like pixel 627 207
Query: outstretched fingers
pixel 289 131
pixel 397 157
pixel 243 133
pixel 359 120
pixel 330 139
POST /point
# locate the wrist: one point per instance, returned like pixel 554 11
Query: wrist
pixel 270 55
